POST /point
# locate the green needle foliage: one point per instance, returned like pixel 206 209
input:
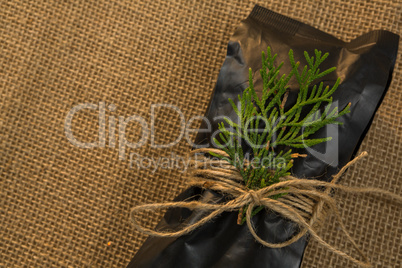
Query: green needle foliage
pixel 265 125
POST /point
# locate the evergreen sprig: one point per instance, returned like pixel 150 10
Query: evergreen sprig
pixel 265 125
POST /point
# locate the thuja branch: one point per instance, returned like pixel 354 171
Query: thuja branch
pixel 264 123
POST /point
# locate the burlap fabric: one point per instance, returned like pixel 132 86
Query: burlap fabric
pixel 66 206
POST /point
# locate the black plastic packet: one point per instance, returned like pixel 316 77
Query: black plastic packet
pixel 364 65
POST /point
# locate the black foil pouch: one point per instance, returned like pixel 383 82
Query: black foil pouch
pixel 364 65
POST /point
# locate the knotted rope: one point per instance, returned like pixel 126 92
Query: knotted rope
pixel 304 201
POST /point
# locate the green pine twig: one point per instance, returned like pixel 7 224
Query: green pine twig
pixel 264 124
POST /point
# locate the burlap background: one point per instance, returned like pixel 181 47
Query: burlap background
pixel 64 206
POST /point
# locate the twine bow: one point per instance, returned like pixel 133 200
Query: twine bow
pixel 304 203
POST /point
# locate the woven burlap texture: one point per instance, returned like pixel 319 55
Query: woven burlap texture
pixel 66 206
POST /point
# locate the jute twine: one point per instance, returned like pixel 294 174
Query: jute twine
pixel 305 202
